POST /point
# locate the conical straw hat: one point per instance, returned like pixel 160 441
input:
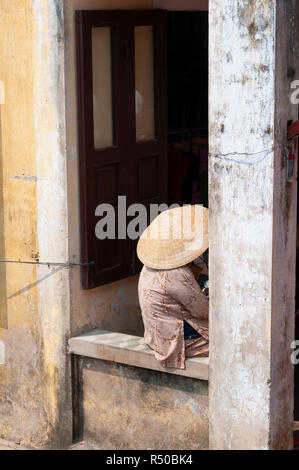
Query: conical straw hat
pixel 175 238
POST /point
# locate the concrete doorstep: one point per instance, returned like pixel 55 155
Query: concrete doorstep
pixel 83 445
pixel 8 445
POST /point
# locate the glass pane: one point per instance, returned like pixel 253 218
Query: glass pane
pixel 144 83
pixel 102 87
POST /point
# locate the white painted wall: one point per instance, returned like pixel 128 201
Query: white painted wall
pixel 252 224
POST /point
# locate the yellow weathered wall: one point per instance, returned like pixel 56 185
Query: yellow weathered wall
pixel 114 307
pixel 34 377
pixel 35 65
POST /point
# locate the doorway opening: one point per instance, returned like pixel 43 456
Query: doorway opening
pixel 187 56
pixel 125 142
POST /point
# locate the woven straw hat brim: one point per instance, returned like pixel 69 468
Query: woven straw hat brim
pixel 175 238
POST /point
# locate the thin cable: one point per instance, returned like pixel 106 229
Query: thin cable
pixel 45 263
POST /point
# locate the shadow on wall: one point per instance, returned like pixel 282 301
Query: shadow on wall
pixel 113 307
pixel 3 300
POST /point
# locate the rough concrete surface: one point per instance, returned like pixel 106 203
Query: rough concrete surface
pixel 124 407
pixel 252 223
pixel 8 445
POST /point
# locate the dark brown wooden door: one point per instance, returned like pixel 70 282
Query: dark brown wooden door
pixel 122 108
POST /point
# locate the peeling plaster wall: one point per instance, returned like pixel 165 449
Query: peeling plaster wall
pixel 133 408
pixel 35 403
pixel 252 224
pixel 113 307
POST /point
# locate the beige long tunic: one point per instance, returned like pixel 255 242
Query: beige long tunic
pixel 167 298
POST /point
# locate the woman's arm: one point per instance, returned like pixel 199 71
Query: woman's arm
pixel 186 291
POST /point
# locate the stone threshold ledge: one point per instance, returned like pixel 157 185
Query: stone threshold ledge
pixel 130 350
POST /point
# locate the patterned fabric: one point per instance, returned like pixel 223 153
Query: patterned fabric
pixel 167 298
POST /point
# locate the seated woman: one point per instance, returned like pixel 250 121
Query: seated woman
pixel 169 294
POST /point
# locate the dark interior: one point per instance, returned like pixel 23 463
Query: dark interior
pixel 187 51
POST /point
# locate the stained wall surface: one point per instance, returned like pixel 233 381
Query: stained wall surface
pixel 35 406
pixel 133 408
pixel 253 60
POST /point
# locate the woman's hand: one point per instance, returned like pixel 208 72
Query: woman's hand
pixel 196 269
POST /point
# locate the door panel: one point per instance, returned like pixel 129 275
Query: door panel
pixel 144 83
pixel 102 87
pixel 121 57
